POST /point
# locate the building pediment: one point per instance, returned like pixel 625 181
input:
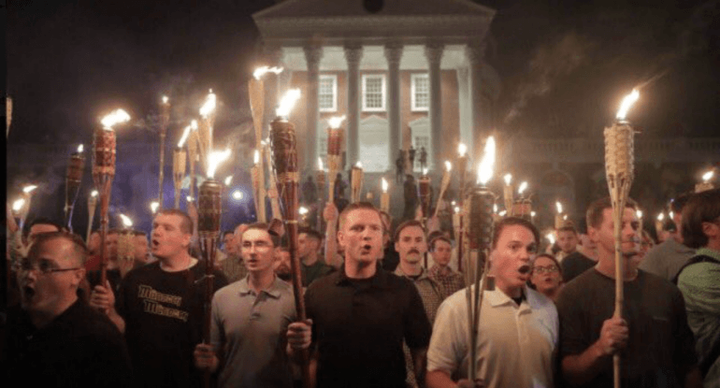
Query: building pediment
pixel 357 8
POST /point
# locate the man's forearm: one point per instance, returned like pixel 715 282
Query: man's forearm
pixel 117 320
pixel 439 379
pixel 581 368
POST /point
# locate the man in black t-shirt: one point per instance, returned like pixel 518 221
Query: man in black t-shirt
pixel 655 344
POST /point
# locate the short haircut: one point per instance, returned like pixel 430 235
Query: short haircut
pixel 114 231
pixel 551 257
pixel 678 203
pixel 510 221
pixel 186 223
pixel 225 233
pixel 79 251
pixel 358 206
pixel 435 237
pixel 40 221
pixel 407 224
pixel 594 214
pixel 264 227
pixel 701 207
pixel 312 233
pixel 568 228
pixel 139 233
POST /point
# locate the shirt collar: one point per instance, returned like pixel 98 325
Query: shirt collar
pixel 423 274
pixel 273 290
pixel 708 252
pixel 379 279
pixel 498 298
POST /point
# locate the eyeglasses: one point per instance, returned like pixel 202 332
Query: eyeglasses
pixel 548 269
pixel 43 265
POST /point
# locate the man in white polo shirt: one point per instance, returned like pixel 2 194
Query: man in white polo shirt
pixel 518 330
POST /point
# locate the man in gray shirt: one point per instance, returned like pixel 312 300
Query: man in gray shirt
pixel 666 259
pixel 253 334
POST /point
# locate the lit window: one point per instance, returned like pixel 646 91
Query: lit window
pixel 373 91
pixel 327 93
pixel 420 93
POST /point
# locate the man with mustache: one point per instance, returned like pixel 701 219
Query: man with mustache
pixel 518 328
pixel 362 314
pixel 652 337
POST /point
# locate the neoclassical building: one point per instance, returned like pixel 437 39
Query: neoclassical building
pixel 403 72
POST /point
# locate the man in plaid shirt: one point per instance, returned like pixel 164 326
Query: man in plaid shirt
pixel 441 250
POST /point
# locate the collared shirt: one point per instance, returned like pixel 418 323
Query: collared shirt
pixel 516 344
pixel 234 268
pixel 359 326
pixel 450 280
pixel 248 329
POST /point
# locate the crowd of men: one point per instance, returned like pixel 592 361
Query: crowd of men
pixel 378 315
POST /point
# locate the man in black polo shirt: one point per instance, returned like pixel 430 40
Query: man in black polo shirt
pixel 362 314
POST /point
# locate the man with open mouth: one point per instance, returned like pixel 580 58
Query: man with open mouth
pixel 518 328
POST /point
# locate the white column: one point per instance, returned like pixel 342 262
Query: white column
pixel 313 54
pixel 464 106
pixel 434 52
pixel 475 54
pixel 353 54
pixel 393 54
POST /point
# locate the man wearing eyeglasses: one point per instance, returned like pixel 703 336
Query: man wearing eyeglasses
pixel 55 339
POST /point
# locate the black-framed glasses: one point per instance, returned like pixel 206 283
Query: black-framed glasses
pixel 549 269
pixel 43 265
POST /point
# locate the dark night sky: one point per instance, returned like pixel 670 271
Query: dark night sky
pixel 564 64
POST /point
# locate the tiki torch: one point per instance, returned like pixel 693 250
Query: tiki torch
pixel 320 185
pixel 479 205
pixel 508 199
pixel 522 206
pixel 92 204
pixel 462 162
pixel 444 183
pixel 205 131
pixel 258 185
pixel 357 176
pixel 73 178
pixel 619 168
pixel 284 146
pixel 24 209
pixel 209 211
pixel 125 246
pixel 705 185
pixel 334 158
pixel 558 215
pixel 425 195
pixel 164 121
pixel 385 197
pixel 272 192
pixel 180 165
pixel 103 174
pixel 256 90
pixel 8 117
pixel 659 224
pixel 459 230
pixel 192 150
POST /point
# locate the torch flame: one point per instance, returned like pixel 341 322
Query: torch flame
pixel 154 205
pixel 485 169
pixel 194 125
pixel 672 215
pixel 303 210
pixel 508 179
pixel 384 185
pixel 116 117
pixel 707 176
pixel 80 149
pixel 214 159
pixel 185 135
pixel 358 164
pixel 18 204
pixel 209 106
pixel 237 195
pixel 462 149
pixel 189 198
pixel 261 71
pixel 627 103
pixel 558 205
pixel 228 180
pixel 94 193
pixel 29 188
pixel 165 99
pixel 639 213
pixel 287 102
pixel 551 238
pixel 523 187
pixel 448 166
pixel 335 121
pixel 661 216
pixel 495 208
pixel 256 157
pixel 457 209
pixel 425 171
pixel 502 213
pixel 533 214
pixel 320 164
pixel 126 220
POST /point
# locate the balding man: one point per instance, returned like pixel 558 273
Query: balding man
pixel 54 339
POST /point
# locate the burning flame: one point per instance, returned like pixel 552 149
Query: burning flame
pixel 209 106
pixel 502 213
pixel 94 193
pixel 18 204
pixel 358 164
pixel 452 203
pixel 551 238
pixel 661 217
pixel 639 213
pixel 81 148
pixel 565 217
pixel 627 103
pixel 154 205
pixel 320 164
pixel 707 176
pixel 303 210
pixel 425 171
pixel 462 149
pixel 194 125
pixel 185 135
pixel 237 195
pixel 508 179
pixel 214 159
pixel 448 166
pixel 228 180
pixel 532 214
pixel 495 208
pixel 165 99
pixel 261 71
pixel 672 215
pixel 558 205
pixel 116 117
pixel 189 198
pixel 287 102
pixel 126 220
pixel 256 157
pixel 523 187
pixel 29 189
pixel 384 185
pixel 485 169
pixel 457 209
pixel 335 121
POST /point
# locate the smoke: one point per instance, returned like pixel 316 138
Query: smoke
pixel 549 62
